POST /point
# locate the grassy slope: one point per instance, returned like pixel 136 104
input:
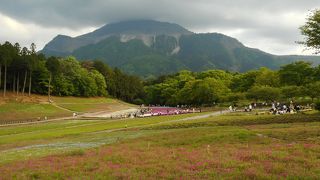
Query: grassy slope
pixel 90 104
pixel 71 127
pixel 66 132
pixel 17 111
pixel 21 108
pixel 242 146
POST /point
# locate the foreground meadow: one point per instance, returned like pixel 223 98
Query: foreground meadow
pixel 241 146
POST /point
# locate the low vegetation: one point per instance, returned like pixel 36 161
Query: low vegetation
pixel 227 146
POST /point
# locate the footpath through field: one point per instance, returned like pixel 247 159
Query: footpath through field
pixel 104 114
pixel 217 113
pixel 96 115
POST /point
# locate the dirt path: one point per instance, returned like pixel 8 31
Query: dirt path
pixel 37 122
pixel 217 113
pixel 57 106
pixel 106 114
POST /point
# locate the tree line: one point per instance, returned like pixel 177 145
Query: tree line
pixel 23 71
pixel 292 81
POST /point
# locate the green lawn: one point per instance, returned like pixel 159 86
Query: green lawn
pixel 72 128
pixel 79 104
pixel 60 100
pixel 29 111
pixel 91 132
pixel 229 146
pixel 32 108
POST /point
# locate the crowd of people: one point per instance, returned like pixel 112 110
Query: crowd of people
pixel 159 111
pixel 277 108
pixel 148 111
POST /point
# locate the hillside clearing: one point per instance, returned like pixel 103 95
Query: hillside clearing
pixel 23 108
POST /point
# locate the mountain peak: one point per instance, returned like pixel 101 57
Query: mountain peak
pixel 144 30
pixel 147 27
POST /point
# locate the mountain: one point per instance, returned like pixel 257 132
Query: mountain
pixel 144 30
pixel 151 48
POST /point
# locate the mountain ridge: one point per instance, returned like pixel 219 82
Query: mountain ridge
pixel 152 48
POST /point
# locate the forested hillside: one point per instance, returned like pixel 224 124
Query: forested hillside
pixel 24 71
pixel 151 48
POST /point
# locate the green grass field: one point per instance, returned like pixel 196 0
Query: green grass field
pixel 23 108
pixel 90 104
pixel 17 111
pixel 230 146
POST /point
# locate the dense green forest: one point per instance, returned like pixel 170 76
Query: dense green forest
pixel 292 81
pixel 24 71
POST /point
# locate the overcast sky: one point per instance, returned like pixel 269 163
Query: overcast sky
pixel 270 25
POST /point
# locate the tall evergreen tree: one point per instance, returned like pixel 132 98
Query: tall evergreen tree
pixel 25 53
pixel 32 63
pixel 8 54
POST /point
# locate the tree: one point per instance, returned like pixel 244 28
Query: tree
pixel 311 31
pixel 243 82
pixel 15 69
pixel 108 75
pixel 265 93
pixel 128 88
pixel 317 106
pixel 53 66
pixel 216 74
pixel 316 76
pixel 267 77
pixel 296 74
pixel 32 63
pixel 203 92
pixel 100 82
pixel 291 91
pixel 25 56
pixel 153 94
pixel 9 52
pixel 313 90
pixel 235 97
pixel 214 89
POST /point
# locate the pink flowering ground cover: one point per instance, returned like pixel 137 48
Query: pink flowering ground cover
pixel 229 152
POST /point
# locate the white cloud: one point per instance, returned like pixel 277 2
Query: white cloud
pixel 26 33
